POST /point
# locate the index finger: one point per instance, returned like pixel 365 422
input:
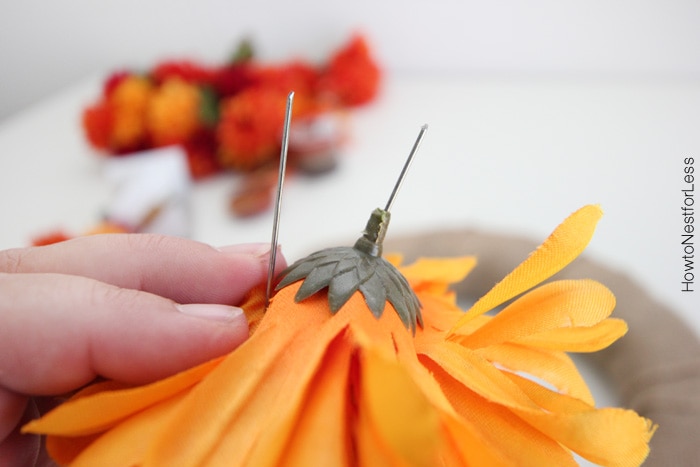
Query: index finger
pixel 183 270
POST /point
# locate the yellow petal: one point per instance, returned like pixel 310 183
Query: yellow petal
pixel 397 423
pixel 435 274
pixel 554 367
pixel 559 304
pixel 439 314
pixel 394 258
pixel 578 339
pixel 559 249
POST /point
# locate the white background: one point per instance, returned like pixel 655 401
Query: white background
pixel 45 46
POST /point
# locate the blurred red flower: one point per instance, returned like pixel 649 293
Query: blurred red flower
pixel 352 76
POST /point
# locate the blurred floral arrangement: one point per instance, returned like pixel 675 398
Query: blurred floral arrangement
pixel 225 117
pixel 229 116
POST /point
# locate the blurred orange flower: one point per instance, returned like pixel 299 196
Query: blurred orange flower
pixel 118 122
pixel 315 388
pixel 128 104
pixel 173 113
pixel 299 76
pixel 249 128
pixel 58 236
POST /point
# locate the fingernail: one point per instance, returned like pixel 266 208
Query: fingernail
pixel 211 311
pixel 258 250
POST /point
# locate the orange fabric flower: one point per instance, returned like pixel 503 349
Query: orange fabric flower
pixel 250 127
pixel 298 76
pixel 315 388
pixel 97 123
pixel 129 103
pixel 117 123
pixel 173 113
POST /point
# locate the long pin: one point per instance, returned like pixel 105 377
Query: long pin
pixel 278 200
pixel 406 166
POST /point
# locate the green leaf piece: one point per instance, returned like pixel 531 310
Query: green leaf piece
pixel 345 270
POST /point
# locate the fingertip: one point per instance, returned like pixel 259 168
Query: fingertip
pixel 235 323
pixel 213 311
pixel 193 334
pixel 247 266
pixel 259 251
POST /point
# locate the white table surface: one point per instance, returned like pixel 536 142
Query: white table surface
pixel 507 155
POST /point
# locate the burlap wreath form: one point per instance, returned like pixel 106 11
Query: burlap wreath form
pixel 655 368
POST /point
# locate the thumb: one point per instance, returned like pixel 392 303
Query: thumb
pixel 60 331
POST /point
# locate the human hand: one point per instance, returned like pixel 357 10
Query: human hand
pixel 133 308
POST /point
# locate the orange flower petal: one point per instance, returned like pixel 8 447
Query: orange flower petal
pixel 64 450
pixel 321 436
pixel 254 307
pixel 477 374
pixel 586 430
pixel 394 430
pixel 578 339
pixel 561 247
pixel 128 442
pixel 559 304
pixel 396 259
pixel 441 312
pixel 554 367
pixel 89 415
pixel 567 420
pixel 435 274
pixel 465 445
pixel 505 437
pixel 343 389
pixel 255 388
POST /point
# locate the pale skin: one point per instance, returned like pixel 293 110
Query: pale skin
pixel 133 308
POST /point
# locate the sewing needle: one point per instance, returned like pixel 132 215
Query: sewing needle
pixel 278 200
pixel 406 166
